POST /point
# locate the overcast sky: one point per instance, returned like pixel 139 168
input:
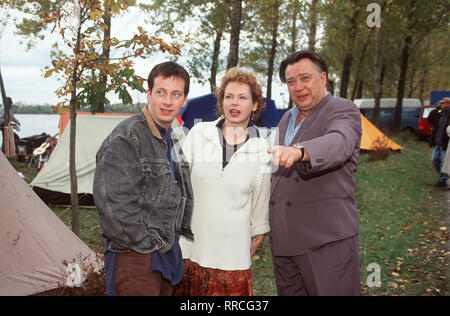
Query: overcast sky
pixel 23 76
pixel 22 69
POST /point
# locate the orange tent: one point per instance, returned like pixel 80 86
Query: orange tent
pixel 65 118
pixel 372 136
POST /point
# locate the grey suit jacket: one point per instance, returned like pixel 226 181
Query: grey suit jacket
pixel 312 203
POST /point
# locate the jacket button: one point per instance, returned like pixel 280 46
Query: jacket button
pixel 272 203
pixel 297 180
pixel 288 203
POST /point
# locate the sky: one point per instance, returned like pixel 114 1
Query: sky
pixel 22 69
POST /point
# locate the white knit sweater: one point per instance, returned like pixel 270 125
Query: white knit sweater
pixel 231 204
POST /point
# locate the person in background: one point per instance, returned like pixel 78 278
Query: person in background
pixel 439 118
pixel 10 118
pixel 143 193
pixel 314 221
pixel 230 170
pixel 446 163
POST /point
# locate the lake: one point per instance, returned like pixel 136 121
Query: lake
pixel 32 124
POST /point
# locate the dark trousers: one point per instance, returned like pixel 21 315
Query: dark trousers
pixel 134 277
pixel 332 270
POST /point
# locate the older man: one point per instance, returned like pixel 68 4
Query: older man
pixel 313 215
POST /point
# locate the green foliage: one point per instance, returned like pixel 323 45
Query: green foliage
pixel 426 25
pixel 33 109
pixel 81 65
pixel 207 20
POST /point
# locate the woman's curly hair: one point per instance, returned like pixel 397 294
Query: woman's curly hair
pixel 240 75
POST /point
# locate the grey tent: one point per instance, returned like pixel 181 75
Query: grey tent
pixel 53 182
pixel 34 242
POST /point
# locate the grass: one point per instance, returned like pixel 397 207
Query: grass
pixel 402 221
pixel 401 216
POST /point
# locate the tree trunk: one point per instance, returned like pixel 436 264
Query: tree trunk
pixel 349 53
pixel 313 25
pixel 275 23
pixel 359 93
pixel 294 33
pixel 358 79
pixel 215 61
pixel 378 83
pixel 403 71
pixel 330 86
pixel 422 84
pixel 72 143
pixel 2 89
pixel 401 84
pixel 411 87
pixel 105 57
pixel 236 12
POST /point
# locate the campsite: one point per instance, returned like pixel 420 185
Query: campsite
pixel 402 216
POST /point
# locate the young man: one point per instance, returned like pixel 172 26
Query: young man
pixel 143 193
pixel 313 216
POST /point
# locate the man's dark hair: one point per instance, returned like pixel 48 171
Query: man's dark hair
pixel 167 70
pixel 292 59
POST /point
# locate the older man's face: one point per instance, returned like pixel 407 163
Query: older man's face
pixel 306 85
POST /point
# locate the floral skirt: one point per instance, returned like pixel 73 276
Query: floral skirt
pixel 200 281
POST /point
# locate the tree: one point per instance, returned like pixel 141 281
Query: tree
pixel 420 18
pixel 263 33
pixel 348 59
pixel 378 66
pixel 204 42
pixel 313 21
pixel 105 54
pixel 80 35
pixel 274 42
pixel 236 15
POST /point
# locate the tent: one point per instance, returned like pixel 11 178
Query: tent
pixel 370 135
pixel 199 109
pixel 52 183
pixel 204 108
pixel 35 242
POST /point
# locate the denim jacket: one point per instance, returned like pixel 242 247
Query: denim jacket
pixel 138 198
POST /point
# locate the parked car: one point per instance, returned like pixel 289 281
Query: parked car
pixel 410 113
pixel 424 127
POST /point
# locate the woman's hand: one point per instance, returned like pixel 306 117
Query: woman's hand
pixel 255 244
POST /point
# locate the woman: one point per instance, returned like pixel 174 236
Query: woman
pixel 230 174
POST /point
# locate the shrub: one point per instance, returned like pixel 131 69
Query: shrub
pixel 380 149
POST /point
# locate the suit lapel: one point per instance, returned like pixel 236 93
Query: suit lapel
pixel 282 128
pixel 307 124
